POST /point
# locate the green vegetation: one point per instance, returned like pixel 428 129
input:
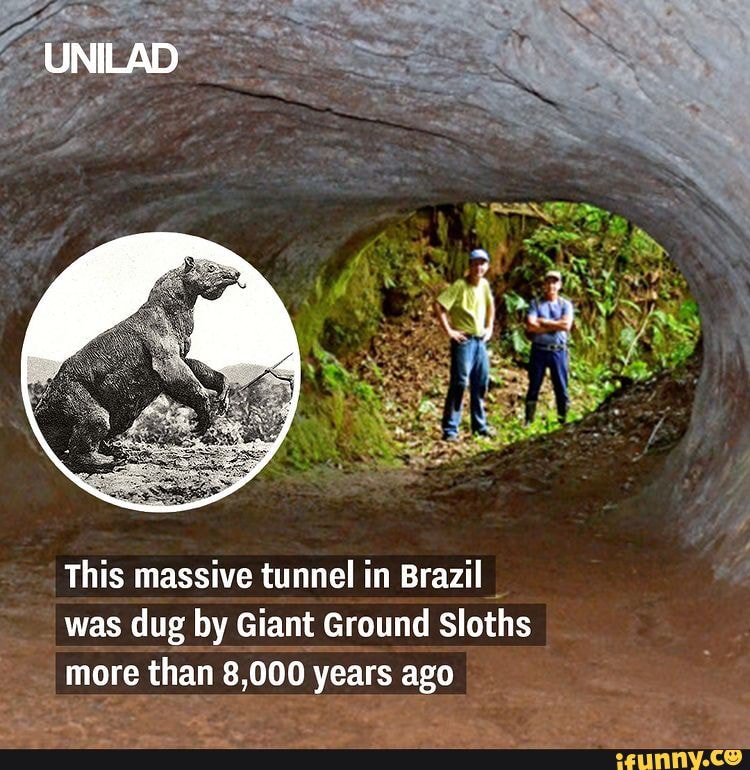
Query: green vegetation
pixel 634 314
pixel 339 416
pixel 634 317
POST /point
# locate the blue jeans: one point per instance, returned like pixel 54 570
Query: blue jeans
pixel 557 363
pixel 470 366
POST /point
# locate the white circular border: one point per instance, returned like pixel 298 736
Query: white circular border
pixel 162 508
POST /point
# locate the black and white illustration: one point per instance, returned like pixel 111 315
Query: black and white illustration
pixel 160 371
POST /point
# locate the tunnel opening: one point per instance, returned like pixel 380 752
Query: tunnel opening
pixel 377 363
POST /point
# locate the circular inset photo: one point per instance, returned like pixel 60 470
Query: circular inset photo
pixel 160 372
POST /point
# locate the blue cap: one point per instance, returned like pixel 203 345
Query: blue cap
pixel 479 254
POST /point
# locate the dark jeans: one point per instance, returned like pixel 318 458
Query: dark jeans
pixel 469 366
pixel 557 363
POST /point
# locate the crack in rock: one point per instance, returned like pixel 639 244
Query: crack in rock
pixel 326 110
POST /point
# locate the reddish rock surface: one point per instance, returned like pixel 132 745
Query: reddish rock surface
pixel 290 132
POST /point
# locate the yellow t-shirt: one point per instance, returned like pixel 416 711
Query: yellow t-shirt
pixel 467 305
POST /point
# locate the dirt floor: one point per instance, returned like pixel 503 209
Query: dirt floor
pixel 407 363
pixel 644 648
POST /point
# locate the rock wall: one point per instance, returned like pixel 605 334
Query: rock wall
pixel 290 130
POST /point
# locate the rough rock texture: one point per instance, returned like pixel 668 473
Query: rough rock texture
pixel 291 130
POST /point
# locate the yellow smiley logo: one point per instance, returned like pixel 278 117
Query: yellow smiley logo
pixel 732 756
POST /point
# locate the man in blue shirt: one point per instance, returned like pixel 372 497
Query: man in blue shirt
pixel 548 323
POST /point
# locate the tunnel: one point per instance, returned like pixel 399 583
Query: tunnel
pixel 292 132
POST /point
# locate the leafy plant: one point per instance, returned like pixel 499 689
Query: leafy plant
pixel 632 305
pixel 634 316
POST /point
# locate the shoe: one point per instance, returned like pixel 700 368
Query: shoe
pixel 485 433
pixel 450 437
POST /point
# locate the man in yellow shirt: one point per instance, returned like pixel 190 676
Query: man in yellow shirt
pixel 466 313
